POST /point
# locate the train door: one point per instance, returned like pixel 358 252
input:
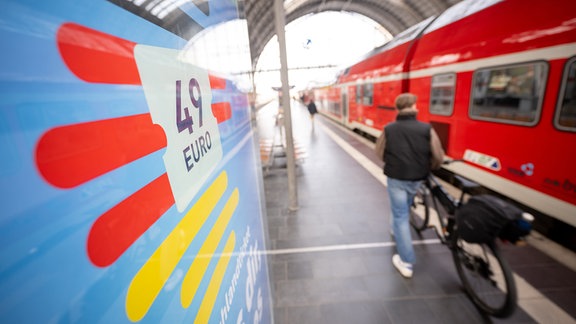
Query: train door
pixel 344 98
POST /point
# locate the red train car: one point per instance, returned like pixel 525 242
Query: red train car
pixel 497 80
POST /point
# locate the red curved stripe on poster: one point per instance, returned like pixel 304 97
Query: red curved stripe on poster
pixel 97 57
pixel 216 82
pixel 222 111
pixel 69 156
pixel 94 56
pixel 117 229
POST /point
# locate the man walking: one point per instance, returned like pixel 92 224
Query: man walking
pixel 411 149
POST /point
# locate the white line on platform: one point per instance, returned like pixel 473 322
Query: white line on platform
pixel 344 247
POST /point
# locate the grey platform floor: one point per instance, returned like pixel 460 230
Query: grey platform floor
pixel 330 260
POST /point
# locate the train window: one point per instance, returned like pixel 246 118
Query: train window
pixel 365 94
pixel 368 94
pixel 566 111
pixel 509 94
pixel 442 94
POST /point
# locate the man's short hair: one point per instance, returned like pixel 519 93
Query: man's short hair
pixel 405 100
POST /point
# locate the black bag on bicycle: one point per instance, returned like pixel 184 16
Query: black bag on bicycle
pixel 485 217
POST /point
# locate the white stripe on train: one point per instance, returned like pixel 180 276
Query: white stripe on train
pixel 548 54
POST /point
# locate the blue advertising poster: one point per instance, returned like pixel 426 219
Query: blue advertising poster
pixel 130 180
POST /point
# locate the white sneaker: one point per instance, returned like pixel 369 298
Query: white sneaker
pixel 404 268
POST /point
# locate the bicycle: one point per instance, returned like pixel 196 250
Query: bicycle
pixel 485 274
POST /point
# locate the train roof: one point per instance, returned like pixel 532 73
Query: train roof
pixel 450 15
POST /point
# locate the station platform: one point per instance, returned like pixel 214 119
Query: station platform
pixel 330 261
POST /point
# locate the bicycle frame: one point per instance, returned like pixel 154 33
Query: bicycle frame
pixel 445 215
pixel 477 264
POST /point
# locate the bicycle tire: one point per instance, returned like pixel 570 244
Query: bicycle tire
pixel 486 276
pixel 420 209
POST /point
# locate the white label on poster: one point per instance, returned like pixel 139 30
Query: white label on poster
pixel 179 98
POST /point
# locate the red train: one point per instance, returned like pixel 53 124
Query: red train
pixel 497 80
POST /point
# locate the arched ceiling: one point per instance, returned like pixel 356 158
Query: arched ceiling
pixel 393 15
pixel 185 18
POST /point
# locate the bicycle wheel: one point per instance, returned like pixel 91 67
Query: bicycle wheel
pixel 486 276
pixel 420 209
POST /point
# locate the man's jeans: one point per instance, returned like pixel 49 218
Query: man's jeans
pixel 401 193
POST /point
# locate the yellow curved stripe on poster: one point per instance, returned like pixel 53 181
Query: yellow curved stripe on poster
pixel 207 305
pixel 150 279
pixel 194 275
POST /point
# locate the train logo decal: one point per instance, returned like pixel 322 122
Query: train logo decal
pixel 67 160
pixel 528 169
pixel 565 186
pixel 194 147
pixel 481 159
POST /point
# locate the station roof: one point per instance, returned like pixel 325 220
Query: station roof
pixel 393 15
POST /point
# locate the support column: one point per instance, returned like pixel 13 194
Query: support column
pixel 290 158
